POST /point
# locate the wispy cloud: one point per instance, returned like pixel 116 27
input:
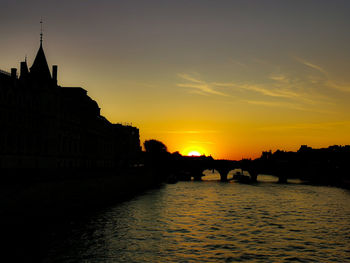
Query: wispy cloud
pixel 282 88
pixel 277 92
pixel 198 86
pixel 308 126
pixel 287 105
pixel 284 91
pixel 328 82
pixel 308 91
pixel 311 65
pixel 276 104
pixel 189 78
pixel 279 78
pixel 262 89
pixel 337 86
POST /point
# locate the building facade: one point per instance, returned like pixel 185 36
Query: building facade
pixel 44 125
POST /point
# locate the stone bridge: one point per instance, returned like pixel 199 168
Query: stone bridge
pixel 187 168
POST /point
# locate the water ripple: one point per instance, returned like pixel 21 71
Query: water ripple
pixel 213 222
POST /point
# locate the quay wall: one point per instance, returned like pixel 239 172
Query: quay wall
pixel 69 194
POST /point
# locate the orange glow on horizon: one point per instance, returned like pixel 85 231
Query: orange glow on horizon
pixel 242 140
pixel 193 153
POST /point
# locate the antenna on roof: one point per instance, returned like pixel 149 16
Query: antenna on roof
pixel 41 30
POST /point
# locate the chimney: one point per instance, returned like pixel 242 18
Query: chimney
pixel 13 73
pixel 54 73
pixel 24 70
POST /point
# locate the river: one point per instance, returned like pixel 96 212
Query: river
pixel 210 221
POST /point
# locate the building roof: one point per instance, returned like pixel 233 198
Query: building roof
pixel 40 68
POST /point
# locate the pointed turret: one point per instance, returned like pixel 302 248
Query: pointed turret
pixel 40 69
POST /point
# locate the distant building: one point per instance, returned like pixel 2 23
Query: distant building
pixel 266 155
pixel 304 149
pixel 44 125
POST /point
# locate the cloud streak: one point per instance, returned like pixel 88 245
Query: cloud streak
pixel 308 126
pixel 311 65
pixel 308 91
pixel 284 92
pixel 328 82
pixel 198 86
pixel 288 105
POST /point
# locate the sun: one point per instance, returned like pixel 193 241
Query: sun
pixel 193 153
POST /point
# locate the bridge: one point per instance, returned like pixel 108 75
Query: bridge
pixel 322 166
pixel 186 168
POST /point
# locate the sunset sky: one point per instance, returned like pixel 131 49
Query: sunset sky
pixel 226 78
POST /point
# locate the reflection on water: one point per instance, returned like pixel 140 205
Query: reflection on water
pixel 213 175
pixel 216 222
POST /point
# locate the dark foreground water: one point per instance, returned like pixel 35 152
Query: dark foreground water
pixel 214 222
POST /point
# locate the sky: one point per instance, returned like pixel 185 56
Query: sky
pixel 224 78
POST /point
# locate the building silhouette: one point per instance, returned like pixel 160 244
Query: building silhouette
pixel 44 125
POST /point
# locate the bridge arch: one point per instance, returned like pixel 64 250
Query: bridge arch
pixel 215 175
pixel 222 174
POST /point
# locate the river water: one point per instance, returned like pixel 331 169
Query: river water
pixel 210 221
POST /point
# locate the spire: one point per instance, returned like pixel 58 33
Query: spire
pixel 41 31
pixel 40 69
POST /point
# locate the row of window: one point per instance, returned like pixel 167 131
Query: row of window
pixel 20 142
pixel 40 162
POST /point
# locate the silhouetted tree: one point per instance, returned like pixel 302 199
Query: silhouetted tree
pixel 155 147
pixel 176 155
pixel 157 158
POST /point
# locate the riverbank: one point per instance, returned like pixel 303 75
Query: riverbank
pixel 35 212
pixel 72 193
